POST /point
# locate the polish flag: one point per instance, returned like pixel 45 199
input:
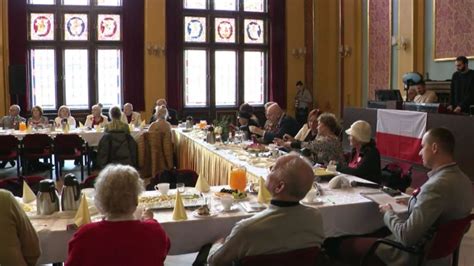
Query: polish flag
pixel 399 134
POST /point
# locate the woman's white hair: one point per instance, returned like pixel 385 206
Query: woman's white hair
pixel 161 112
pixel 117 190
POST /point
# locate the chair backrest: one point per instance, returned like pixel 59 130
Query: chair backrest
pixel 9 143
pixel 448 237
pixel 89 182
pixel 161 151
pixel 36 142
pixel 300 257
pixel 66 143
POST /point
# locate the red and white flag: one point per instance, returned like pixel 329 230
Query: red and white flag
pixel 399 133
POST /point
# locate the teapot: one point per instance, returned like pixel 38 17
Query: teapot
pixel 71 193
pixel 47 201
pixel 210 137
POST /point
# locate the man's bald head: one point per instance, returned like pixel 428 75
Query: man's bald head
pixel 274 112
pixel 290 178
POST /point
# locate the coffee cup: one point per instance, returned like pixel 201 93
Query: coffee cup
pixel 311 195
pixel 227 203
pixel 163 188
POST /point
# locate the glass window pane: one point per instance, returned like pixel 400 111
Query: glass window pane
pixel 195 29
pixel 75 27
pixel 109 73
pixel 254 76
pixel 108 27
pixel 195 4
pixel 225 5
pixel 254 5
pixel 195 77
pixel 76 78
pixel 76 2
pixel 225 30
pixel 42 26
pixel 225 69
pixel 253 30
pixel 41 2
pixel 109 2
pixel 43 78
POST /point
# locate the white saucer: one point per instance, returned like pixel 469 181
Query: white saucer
pixel 211 214
pixel 234 208
pixel 314 202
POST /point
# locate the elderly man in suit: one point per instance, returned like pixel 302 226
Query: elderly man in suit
pixel 286 224
pixel 446 196
pixel 285 124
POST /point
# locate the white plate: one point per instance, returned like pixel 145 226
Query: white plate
pixel 314 202
pixel 212 213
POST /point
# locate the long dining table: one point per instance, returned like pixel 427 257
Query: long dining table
pixel 344 212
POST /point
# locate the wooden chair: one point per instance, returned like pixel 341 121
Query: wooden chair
pixel 69 147
pixel 34 147
pixel 9 150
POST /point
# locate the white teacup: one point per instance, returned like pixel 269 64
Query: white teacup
pixel 163 188
pixel 311 195
pixel 227 203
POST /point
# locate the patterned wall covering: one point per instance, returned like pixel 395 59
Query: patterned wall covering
pixel 379 45
pixel 454 30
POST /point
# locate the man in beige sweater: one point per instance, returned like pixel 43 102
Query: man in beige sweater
pixel 285 225
pixel 19 244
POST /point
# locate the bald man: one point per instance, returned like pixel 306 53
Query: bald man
pixel 283 124
pixel 129 116
pixel 285 225
pixel 172 116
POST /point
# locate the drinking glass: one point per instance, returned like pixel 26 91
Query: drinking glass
pixel 238 178
pixel 22 126
pixel 180 187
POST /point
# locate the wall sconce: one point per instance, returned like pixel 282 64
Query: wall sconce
pixel 345 51
pixel 155 49
pixel 298 52
pixel 402 43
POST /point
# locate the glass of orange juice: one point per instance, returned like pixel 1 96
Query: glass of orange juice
pixel 238 178
pixel 22 126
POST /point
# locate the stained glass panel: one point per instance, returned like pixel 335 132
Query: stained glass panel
pixel 76 78
pixel 254 31
pixel 109 73
pixel 42 26
pixel 109 2
pixel 254 5
pixel 254 76
pixel 194 29
pixel 225 5
pixel 75 27
pixel 76 2
pixel 195 4
pixel 225 30
pixel 43 78
pixel 108 27
pixel 195 77
pixel 41 2
pixel 225 80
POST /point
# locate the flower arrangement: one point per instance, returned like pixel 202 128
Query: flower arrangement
pixel 222 126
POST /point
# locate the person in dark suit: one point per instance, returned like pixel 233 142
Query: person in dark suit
pixel 285 124
pixel 172 116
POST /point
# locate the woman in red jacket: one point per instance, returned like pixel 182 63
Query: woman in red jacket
pixel 119 239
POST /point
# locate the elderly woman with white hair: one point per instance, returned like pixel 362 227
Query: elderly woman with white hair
pixel 119 239
pixel 365 157
pixel 160 141
pixel 96 118
pixel 64 115
pixel 116 124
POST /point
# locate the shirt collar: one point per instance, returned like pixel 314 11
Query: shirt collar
pixel 435 171
pixel 281 203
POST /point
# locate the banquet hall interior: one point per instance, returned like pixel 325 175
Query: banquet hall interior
pixel 213 110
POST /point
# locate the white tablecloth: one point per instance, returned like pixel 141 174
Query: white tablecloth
pixel 344 212
pixel 92 137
